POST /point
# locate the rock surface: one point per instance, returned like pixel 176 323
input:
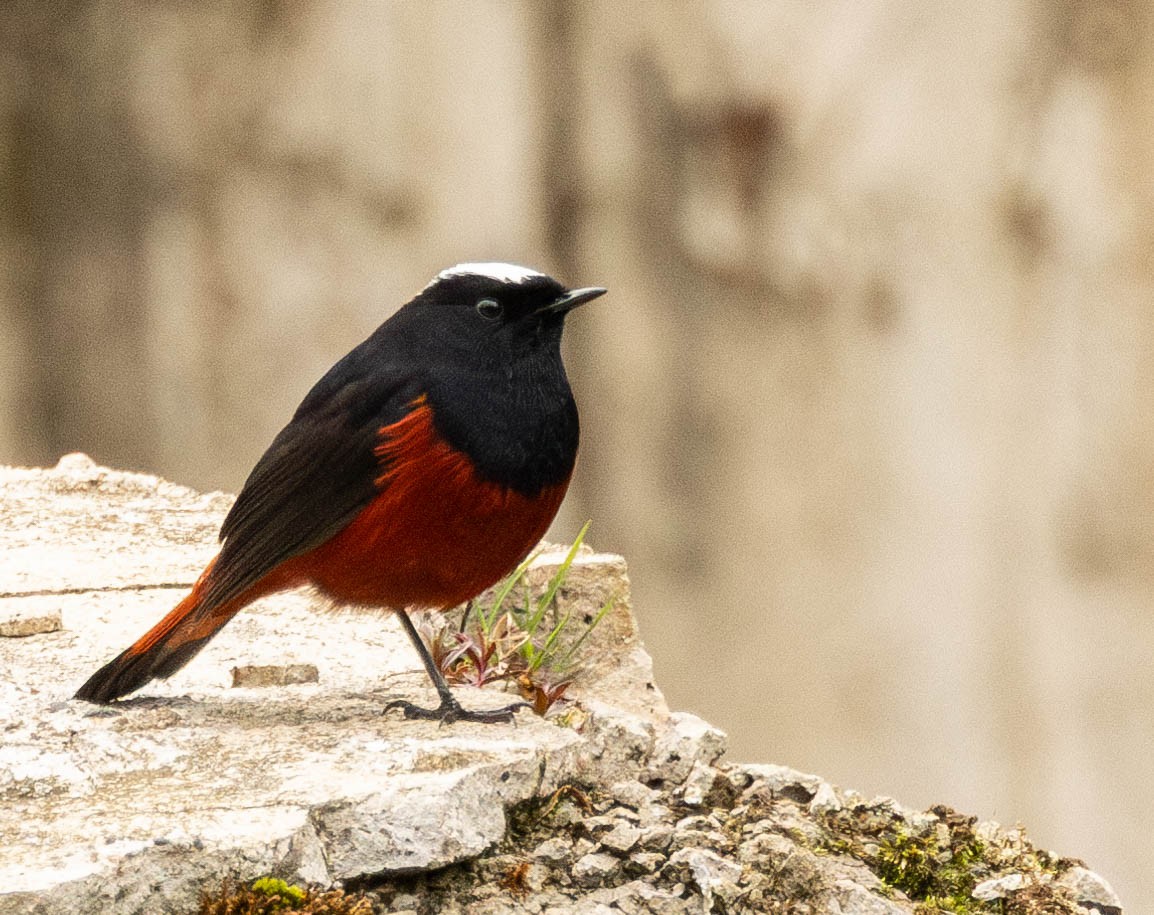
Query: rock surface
pixel 609 804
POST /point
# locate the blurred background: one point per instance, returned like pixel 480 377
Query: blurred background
pixel 868 409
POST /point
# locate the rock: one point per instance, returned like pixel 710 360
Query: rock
pixel 1091 890
pixel 825 800
pixel 657 838
pixel 594 868
pixel 762 849
pixel 685 741
pixel 597 824
pixel 621 838
pixel 647 861
pixel 854 899
pixel 617 743
pixel 555 851
pixel 147 803
pixel 633 794
pixel 633 898
pixel 698 784
pixel 921 823
pixel 591 908
pixel 274 675
pixel 709 871
pixel 618 812
pixel 603 807
pixel 422 825
pixel 797 786
pixel 19 623
pixel 999 887
pixel 653 813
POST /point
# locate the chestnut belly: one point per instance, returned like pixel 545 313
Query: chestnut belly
pixel 436 535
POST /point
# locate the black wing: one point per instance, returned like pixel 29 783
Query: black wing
pixel 318 473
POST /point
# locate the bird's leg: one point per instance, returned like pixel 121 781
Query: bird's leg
pixel 450 709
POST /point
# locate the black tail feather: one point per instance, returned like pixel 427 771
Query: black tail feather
pixel 127 672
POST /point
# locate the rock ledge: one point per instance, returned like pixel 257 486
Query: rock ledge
pixel 610 804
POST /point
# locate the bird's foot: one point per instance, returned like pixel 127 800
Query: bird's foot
pixel 449 711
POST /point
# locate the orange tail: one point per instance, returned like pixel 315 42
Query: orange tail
pixel 166 647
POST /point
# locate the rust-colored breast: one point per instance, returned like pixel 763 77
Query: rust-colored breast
pixel 437 535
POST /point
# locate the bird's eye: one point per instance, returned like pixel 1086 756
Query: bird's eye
pixel 490 309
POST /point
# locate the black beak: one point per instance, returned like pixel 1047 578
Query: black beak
pixel 571 300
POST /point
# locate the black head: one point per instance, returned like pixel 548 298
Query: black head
pixel 482 342
pixel 499 312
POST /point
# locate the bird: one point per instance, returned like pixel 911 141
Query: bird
pixel 417 472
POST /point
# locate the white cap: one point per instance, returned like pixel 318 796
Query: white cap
pixel 506 273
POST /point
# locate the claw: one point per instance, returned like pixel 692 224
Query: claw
pixel 449 712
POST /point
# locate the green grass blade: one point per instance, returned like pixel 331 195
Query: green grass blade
pixel 502 594
pixel 547 650
pixel 555 582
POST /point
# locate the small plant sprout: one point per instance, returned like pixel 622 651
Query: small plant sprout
pixel 272 896
pixel 498 640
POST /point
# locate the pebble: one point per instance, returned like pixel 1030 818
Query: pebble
pixel 264 675
pixel 999 887
pixel 824 800
pixel 594 868
pixel 698 784
pixel 689 838
pixel 554 851
pixel 597 824
pixel 1090 889
pixel 647 861
pixel 22 625
pixel 686 740
pixel 633 794
pixel 621 838
pixel 657 838
pixel 764 848
pixel 654 813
